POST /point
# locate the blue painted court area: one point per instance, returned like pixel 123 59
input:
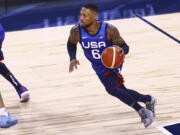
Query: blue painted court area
pixel 171 129
pixel 174 129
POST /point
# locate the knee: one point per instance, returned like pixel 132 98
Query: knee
pixel 111 90
pixel 2 64
pixel 122 87
pixel 116 90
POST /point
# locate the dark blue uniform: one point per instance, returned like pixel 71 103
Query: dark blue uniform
pixel 93 45
pixel 2 35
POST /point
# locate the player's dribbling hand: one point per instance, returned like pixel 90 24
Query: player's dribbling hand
pixel 122 51
pixel 73 64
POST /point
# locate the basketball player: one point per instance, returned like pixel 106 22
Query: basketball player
pixel 94 36
pixel 6 119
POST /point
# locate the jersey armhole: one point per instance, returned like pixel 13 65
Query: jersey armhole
pixel 106 27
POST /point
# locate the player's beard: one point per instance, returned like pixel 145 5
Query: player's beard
pixel 88 25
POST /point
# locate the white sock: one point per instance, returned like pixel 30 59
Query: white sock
pixel 3 112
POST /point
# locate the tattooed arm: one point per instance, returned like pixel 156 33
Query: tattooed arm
pixel 114 36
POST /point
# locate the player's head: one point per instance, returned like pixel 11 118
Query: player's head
pixel 88 14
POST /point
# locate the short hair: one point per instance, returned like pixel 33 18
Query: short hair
pixel 92 7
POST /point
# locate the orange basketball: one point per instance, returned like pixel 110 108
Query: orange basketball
pixel 112 57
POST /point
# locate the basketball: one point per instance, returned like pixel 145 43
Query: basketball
pixel 112 57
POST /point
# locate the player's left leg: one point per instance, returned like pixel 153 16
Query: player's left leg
pixel 22 91
pixel 6 119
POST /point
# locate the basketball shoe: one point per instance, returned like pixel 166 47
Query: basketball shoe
pixel 151 105
pixel 146 116
pixel 24 94
pixel 7 121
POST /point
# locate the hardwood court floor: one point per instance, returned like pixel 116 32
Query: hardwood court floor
pixel 76 103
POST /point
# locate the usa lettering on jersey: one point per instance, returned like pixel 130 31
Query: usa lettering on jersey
pixel 94 44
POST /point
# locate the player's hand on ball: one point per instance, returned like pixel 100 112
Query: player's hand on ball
pixel 121 50
pixel 73 64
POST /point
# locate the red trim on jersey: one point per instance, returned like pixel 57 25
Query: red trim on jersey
pixel 1 59
pixel 107 73
pixel 121 82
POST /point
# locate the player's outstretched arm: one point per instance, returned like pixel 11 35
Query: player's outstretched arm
pixel 116 39
pixel 72 47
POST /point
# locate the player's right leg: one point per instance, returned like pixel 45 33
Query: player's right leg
pixel 6 119
pixel 22 91
pixel 148 100
pixel 111 82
